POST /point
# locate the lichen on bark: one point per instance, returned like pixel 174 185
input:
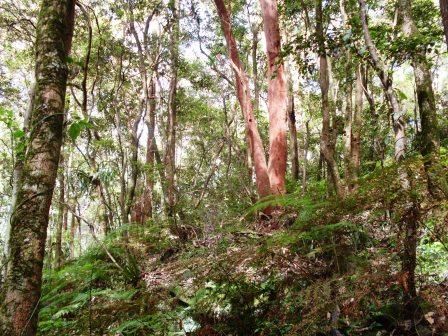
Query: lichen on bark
pixel 29 219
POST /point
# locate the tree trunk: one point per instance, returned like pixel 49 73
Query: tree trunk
pixel 429 135
pixel 72 236
pixel 293 139
pixel 29 221
pixel 170 154
pixel 305 156
pixel 244 99
pixel 255 67
pixel 16 177
pixel 327 145
pixel 150 154
pixel 353 144
pixel 277 98
pixel 410 217
pixel 386 81
pixel 355 153
pixel 61 210
pixel 444 12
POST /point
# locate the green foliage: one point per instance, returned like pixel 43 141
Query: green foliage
pixel 77 126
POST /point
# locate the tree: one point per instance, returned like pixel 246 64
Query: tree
pixel 29 220
pixel 444 12
pixel 410 215
pixel 328 138
pixel 245 101
pixel 277 97
pixel 170 154
pixel 429 134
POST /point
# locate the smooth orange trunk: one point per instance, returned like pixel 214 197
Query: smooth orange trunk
pixel 244 99
pixel 277 98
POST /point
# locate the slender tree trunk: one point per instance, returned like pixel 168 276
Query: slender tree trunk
pixel 327 144
pixel 61 211
pixel 429 134
pixel 348 130
pixel 355 148
pixel 305 156
pixel 72 237
pixel 243 94
pixel 277 98
pixel 170 155
pixel 16 177
pixel 294 147
pixel 444 12
pixel 353 133
pixel 399 125
pixel 410 216
pixel 150 154
pixel 255 67
pixel 29 221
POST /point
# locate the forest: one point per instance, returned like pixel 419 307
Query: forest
pixel 223 167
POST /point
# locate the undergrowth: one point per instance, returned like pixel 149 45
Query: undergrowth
pixel 319 266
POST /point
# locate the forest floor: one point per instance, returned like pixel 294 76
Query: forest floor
pixel 318 267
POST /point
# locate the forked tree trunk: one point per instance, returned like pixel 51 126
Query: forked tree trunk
pixel 277 97
pixel 29 220
pixel 244 99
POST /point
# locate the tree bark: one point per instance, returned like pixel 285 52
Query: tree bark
pixel 170 154
pixel 255 67
pixel 429 134
pixel 16 176
pixel 72 237
pixel 410 216
pixel 150 154
pixel 244 99
pixel 29 221
pixel 355 154
pixel 399 125
pixel 305 156
pixel 277 98
pixel 294 147
pixel 444 13
pixel 61 211
pixel 327 145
